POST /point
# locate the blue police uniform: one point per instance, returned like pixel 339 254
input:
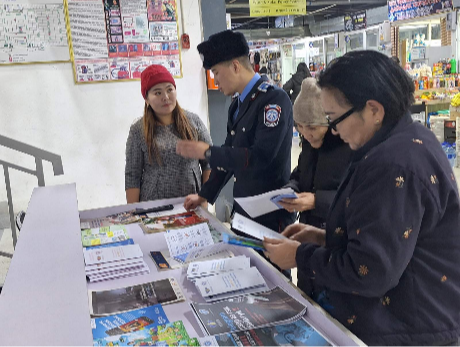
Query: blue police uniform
pixel 257 150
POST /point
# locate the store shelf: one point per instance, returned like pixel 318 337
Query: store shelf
pixel 432 102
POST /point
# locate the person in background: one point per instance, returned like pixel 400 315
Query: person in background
pixel 263 71
pixel 292 87
pixel 257 149
pixel 322 164
pixel 153 169
pixel 387 264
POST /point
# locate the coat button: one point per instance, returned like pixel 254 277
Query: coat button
pixel 234 179
pixel 232 132
pixel 243 130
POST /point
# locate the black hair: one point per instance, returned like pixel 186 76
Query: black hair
pixel 369 75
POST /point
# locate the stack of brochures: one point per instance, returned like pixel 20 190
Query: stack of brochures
pixel 199 269
pixel 270 308
pixel 168 220
pixel 147 326
pixel 114 262
pixel 191 243
pixel 109 235
pixel 298 333
pixel 224 278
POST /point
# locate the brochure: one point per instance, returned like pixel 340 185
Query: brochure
pixel 230 282
pixel 103 235
pixel 170 334
pixel 122 218
pixel 211 267
pixel 181 242
pixel 259 205
pixel 273 307
pixel 128 322
pixel 168 222
pixel 243 242
pixel 251 228
pixel 119 300
pixel 298 333
pixel 111 254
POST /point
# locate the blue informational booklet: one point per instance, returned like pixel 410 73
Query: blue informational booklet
pixel 128 321
pixel 115 244
pixel 243 241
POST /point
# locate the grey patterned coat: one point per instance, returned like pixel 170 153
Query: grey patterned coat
pixel 177 176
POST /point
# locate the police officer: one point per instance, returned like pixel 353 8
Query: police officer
pixel 257 150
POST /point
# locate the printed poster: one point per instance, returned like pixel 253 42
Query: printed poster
pixel 113 21
pixel 92 70
pixel 163 31
pixel 161 10
pixel 137 66
pixel 119 69
pixel 134 21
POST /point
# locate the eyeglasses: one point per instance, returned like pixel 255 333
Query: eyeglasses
pixel 333 123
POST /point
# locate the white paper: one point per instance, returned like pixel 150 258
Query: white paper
pixel 111 254
pixel 210 267
pixel 230 282
pixel 140 270
pixel 259 205
pixel 97 268
pixel 204 252
pixel 174 264
pixel 182 241
pixel 254 229
pixel 240 292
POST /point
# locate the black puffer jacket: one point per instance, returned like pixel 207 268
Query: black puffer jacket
pixel 295 82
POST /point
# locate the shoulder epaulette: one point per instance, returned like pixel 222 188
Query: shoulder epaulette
pixel 263 87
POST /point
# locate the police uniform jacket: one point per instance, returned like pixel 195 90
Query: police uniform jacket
pixel 257 150
pixel 390 269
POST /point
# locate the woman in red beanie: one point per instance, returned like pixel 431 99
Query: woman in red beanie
pixel 153 169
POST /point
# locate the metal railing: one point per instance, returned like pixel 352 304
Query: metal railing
pixel 40 155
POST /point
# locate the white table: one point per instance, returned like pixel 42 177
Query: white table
pixel 45 300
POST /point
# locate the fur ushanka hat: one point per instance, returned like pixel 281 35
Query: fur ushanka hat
pixel 307 107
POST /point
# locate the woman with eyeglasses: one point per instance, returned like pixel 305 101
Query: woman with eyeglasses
pixel 387 264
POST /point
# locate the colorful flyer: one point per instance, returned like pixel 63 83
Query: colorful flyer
pixel 128 322
pixel 92 70
pixel 113 21
pixel 161 10
pixel 103 235
pixel 163 31
pixel 119 69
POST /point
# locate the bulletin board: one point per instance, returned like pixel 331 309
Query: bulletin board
pixel 32 32
pixel 115 40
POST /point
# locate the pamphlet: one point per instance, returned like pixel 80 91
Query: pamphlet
pixel 298 333
pixel 229 282
pixel 251 228
pixel 211 267
pixel 181 242
pixel 259 205
pixel 170 334
pixel 122 218
pixel 106 255
pixel 119 300
pixel 103 235
pixel 128 321
pixel 273 307
pixel 243 242
pixel 168 222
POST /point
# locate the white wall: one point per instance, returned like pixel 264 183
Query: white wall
pixel 86 124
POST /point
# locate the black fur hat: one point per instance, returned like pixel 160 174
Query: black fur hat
pixel 221 47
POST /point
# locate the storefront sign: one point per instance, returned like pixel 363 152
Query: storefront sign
pixel 355 21
pixel 407 9
pixel 275 8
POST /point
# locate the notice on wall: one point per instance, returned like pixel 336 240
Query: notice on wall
pixel 275 8
pixel 407 9
pixel 113 40
pixel 356 21
pixel 32 33
pixel 86 19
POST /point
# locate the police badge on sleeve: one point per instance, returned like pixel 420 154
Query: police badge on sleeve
pixel 272 115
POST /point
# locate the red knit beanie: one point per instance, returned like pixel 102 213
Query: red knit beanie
pixel 153 75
